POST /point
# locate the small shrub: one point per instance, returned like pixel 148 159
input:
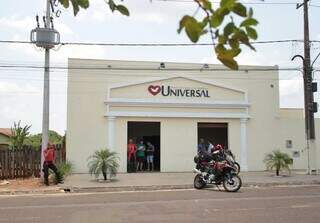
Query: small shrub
pixel 103 162
pixel 64 168
pixel 278 160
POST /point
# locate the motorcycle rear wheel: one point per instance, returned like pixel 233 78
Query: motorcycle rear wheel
pixel 198 182
pixel 232 183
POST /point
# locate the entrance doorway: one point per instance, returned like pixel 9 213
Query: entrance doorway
pixel 148 132
pixel 215 133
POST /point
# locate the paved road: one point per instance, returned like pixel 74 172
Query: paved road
pixel 285 204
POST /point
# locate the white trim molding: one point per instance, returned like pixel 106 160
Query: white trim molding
pixel 173 103
pixel 111 133
pixel 176 114
pixel 243 144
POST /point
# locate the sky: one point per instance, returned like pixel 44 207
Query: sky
pixel 156 22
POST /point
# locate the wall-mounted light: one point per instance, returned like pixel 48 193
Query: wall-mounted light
pixel 204 66
pixel 162 65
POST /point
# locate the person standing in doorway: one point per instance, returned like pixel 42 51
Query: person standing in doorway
pixel 132 148
pixel 210 147
pixel 49 157
pixel 202 146
pixel 150 155
pixel 141 148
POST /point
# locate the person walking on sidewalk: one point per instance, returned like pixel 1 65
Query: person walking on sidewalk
pixel 49 157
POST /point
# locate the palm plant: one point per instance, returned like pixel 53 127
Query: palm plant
pixel 278 160
pixel 103 161
pixel 19 135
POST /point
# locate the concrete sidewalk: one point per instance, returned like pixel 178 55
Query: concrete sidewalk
pixel 154 181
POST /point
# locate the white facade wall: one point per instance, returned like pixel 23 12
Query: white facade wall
pixel 102 101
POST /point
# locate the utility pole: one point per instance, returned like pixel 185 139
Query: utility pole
pixel 46 91
pixel 309 105
pixel 46 38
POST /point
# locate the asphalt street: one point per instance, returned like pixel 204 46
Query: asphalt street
pixel 277 204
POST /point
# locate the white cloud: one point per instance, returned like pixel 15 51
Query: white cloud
pixel 12 87
pixel 210 60
pixel 22 24
pixel 142 12
pixel 88 52
pixel 150 17
pixel 27 23
pixel 63 29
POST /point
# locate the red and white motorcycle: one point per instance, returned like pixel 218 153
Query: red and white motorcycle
pixel 211 169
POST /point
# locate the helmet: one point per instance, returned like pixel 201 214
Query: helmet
pixel 219 147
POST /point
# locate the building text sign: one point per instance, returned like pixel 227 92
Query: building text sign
pixel 178 91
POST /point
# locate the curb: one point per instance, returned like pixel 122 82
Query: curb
pixel 41 191
pixel 70 189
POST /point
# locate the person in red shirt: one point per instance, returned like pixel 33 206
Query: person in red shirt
pixel 132 148
pixel 49 157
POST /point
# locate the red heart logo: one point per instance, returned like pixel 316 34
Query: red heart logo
pixel 154 90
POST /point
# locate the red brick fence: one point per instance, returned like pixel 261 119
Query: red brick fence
pixel 25 162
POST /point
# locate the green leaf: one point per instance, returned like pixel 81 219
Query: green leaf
pixel 252 33
pixel 234 43
pixel 227 4
pixel 76 8
pixel 83 3
pixel 193 30
pixel 229 62
pixel 192 27
pixel 112 5
pixel 222 39
pixel 218 17
pixel 205 22
pixel 183 22
pixel 76 4
pixel 228 29
pixel 249 22
pixel 206 4
pixel 216 20
pixel 123 10
pixel 242 37
pixel 239 9
pixel 65 3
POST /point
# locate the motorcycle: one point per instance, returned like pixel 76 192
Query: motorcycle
pixel 211 169
pixel 231 160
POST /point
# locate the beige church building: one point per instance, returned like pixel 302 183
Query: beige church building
pixel 173 105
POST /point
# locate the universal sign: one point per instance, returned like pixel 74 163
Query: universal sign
pixel 178 91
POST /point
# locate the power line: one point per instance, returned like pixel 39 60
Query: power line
pixel 155 44
pixel 245 3
pixel 148 68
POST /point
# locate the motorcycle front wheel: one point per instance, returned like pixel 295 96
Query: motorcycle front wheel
pixel 237 165
pixel 232 183
pixel 198 182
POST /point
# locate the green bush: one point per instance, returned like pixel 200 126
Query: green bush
pixel 64 168
pixel 278 160
pixel 103 162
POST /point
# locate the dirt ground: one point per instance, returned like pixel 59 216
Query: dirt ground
pixel 14 184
